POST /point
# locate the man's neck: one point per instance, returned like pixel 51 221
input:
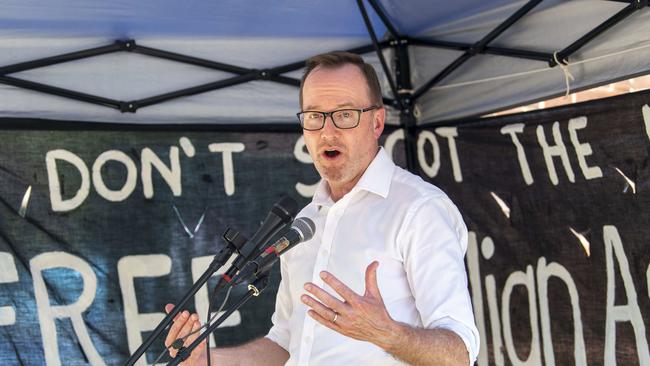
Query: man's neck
pixel 337 191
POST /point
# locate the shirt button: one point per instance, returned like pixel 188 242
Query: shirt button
pixel 307 339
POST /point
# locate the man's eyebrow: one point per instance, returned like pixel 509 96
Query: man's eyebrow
pixel 342 105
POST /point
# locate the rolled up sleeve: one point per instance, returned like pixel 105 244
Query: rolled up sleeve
pixel 279 332
pixel 434 242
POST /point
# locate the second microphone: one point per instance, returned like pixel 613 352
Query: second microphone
pixel 302 229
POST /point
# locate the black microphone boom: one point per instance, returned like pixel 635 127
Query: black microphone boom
pixel 301 230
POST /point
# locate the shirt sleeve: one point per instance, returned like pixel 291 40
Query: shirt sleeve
pixel 434 242
pixel 279 332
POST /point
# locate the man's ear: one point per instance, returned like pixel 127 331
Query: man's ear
pixel 378 121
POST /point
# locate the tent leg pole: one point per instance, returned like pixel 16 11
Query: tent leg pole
pixel 410 138
pixel 405 95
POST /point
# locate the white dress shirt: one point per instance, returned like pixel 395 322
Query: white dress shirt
pixel 419 238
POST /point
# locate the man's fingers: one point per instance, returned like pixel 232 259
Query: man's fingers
pixel 176 327
pixel 323 321
pixel 201 346
pixel 203 343
pixel 346 293
pixel 169 308
pixel 195 333
pixel 372 288
pixel 187 328
pixel 325 297
pixel 321 309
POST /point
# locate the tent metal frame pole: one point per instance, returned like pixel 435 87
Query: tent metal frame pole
pixel 499 51
pixel 242 74
pixel 66 57
pixel 172 56
pixel 404 97
pixel 407 113
pixel 402 86
pixel 476 47
pixel 601 28
pixel 61 92
pixel 384 19
pixel 241 79
pixel 629 1
pixel 300 64
pixel 378 49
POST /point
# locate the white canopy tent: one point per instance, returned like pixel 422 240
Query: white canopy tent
pixel 237 64
pixel 455 59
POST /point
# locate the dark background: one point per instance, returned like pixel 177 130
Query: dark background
pixel 101 232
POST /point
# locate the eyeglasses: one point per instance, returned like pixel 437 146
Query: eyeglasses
pixel 342 118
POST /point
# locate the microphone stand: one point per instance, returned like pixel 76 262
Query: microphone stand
pixel 254 290
pixel 234 242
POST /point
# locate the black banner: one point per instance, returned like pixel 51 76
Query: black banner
pixel 100 226
pixel 557 203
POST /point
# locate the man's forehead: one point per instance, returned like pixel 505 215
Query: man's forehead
pixel 348 69
pixel 349 78
pixel 310 107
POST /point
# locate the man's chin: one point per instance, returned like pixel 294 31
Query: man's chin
pixel 331 174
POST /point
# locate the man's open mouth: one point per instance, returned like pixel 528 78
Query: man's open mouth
pixel 331 154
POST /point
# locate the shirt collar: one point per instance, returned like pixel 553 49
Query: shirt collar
pixel 375 179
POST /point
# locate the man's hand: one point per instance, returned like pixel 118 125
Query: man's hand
pixel 365 318
pixel 261 351
pixel 360 317
pixel 184 324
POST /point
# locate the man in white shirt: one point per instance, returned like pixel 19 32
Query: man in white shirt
pixel 383 281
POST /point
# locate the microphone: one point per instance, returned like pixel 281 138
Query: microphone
pixel 301 230
pixel 280 215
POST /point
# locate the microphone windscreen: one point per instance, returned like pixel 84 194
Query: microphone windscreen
pixel 286 208
pixel 305 228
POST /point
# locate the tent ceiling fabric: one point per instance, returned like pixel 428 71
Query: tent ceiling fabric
pixel 259 35
pixel 489 83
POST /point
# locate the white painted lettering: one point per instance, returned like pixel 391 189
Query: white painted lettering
pixel 391 140
pixel 544 272
pixel 48 313
pixel 527 280
pixel 647 279
pixel 128 268
pixel 131 176
pixel 450 133
pixel 302 155
pixel 495 320
pixel 187 146
pixel 227 148
pixel 582 150
pixel 513 130
pixel 171 175
pixel 645 111
pixel 56 199
pixel 432 169
pixel 477 295
pixel 621 313
pixel 8 274
pixel 558 150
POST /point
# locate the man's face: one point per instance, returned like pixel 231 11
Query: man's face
pixel 341 156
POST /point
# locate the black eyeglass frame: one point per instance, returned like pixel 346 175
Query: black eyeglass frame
pixel 325 114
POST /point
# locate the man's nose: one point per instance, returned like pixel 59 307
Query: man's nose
pixel 329 128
